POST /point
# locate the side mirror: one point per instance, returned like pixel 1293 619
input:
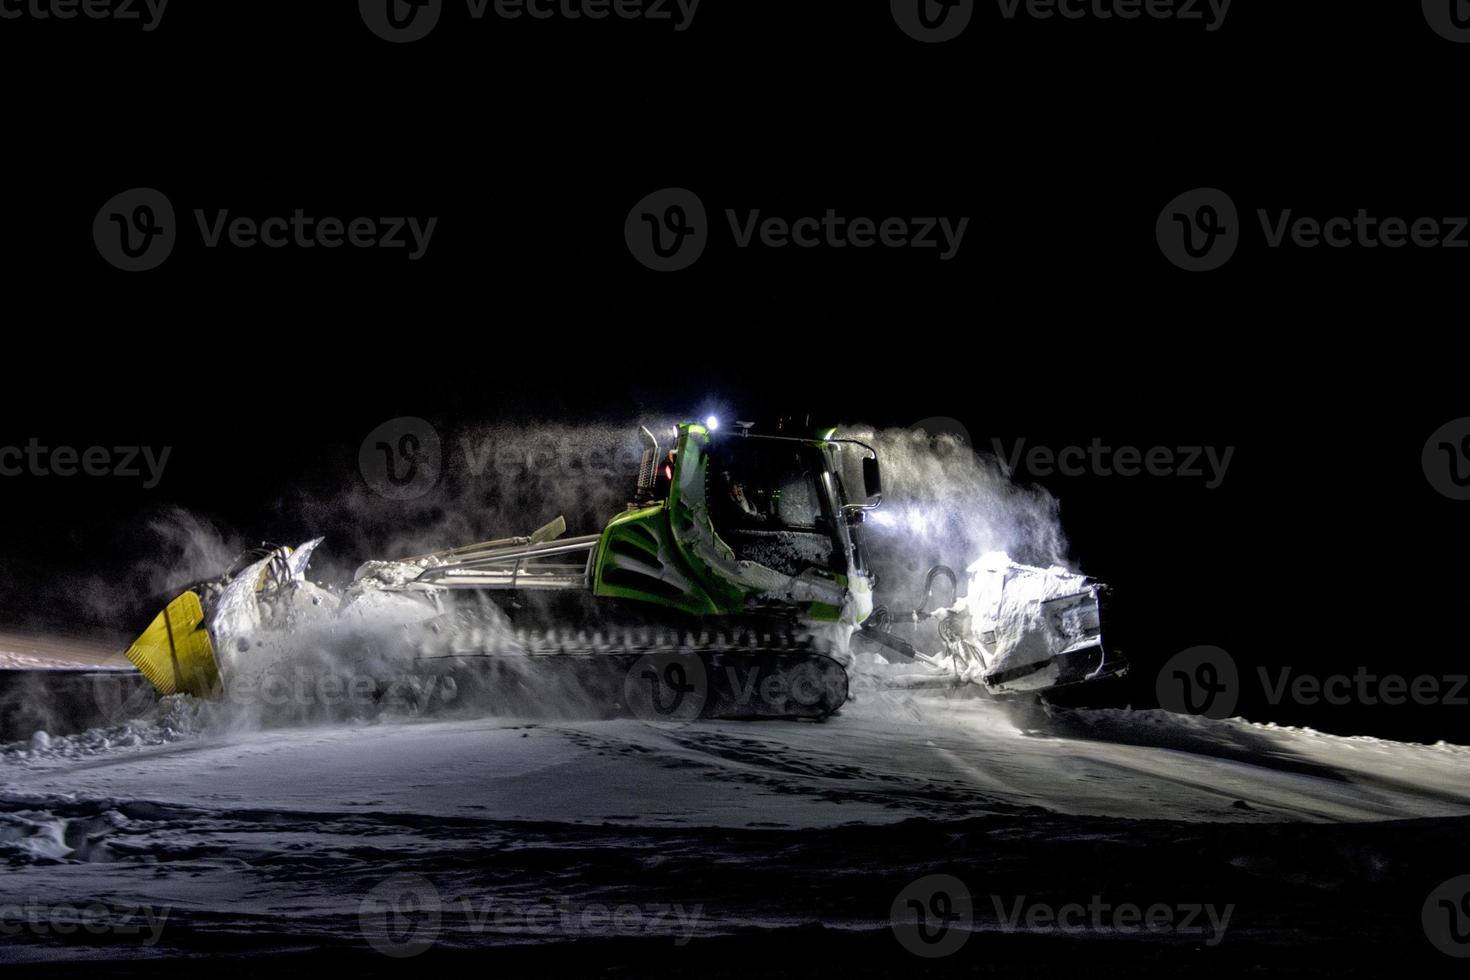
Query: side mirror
pixel 872 481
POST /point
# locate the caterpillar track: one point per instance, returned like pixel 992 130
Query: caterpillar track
pixel 660 676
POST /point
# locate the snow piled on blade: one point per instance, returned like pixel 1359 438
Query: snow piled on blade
pixel 1007 606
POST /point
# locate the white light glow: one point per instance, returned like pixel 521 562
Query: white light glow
pixel 712 423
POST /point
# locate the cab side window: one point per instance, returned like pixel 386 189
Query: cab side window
pixel 766 504
pixel 764 487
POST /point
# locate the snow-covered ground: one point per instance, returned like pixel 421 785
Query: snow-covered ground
pixel 284 835
pixel 878 762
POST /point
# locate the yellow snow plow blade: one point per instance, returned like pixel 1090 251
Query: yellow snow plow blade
pixel 174 652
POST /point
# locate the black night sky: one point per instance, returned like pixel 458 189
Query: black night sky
pixel 1233 250
pixel 1057 322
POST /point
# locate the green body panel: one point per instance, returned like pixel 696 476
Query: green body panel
pixel 670 554
pixel 637 559
pixel 643 555
pixel 823 612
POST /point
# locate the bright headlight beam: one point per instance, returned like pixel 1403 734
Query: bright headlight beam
pixel 712 423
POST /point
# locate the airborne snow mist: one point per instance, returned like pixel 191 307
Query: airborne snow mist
pixel 179 549
pixel 191 549
pixel 497 480
pixel 944 503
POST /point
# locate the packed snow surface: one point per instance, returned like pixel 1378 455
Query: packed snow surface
pixel 882 760
pixel 283 834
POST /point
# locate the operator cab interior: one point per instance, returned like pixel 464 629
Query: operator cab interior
pixel 767 501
